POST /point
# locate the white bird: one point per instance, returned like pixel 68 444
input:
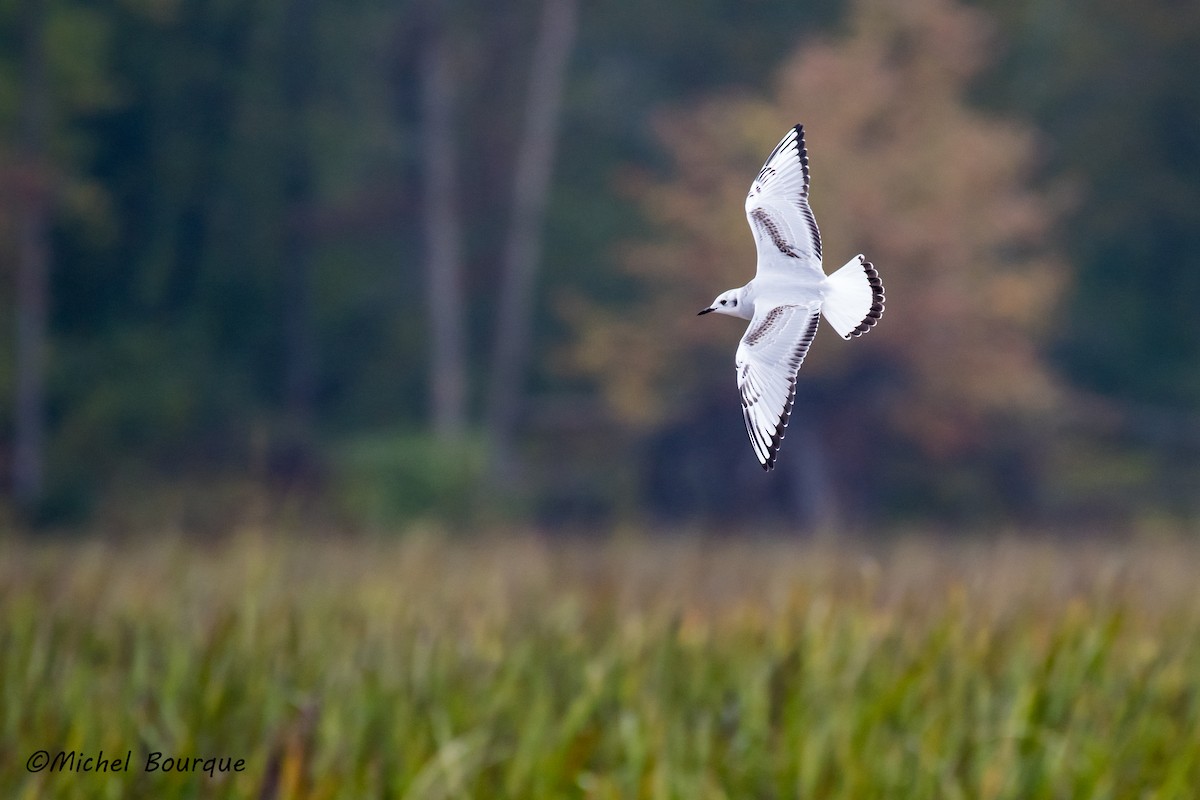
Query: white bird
pixel 788 295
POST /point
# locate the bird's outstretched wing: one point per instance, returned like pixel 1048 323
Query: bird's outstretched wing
pixel 768 358
pixel 785 230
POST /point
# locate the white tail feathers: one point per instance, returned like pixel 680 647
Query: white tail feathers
pixel 853 298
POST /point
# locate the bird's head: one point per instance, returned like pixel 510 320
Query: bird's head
pixel 728 303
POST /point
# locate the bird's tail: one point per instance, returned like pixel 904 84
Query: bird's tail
pixel 853 298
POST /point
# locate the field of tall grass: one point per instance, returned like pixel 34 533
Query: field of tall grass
pixel 630 667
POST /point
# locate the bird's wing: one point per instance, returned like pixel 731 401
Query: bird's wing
pixel 768 358
pixel 785 230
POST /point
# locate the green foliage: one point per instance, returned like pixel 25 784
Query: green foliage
pixel 391 478
pixel 1122 113
pixel 238 203
pixel 520 669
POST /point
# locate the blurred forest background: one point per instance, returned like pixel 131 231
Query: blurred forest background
pixel 376 262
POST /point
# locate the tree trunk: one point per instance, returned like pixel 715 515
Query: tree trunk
pixel 298 73
pixel 33 266
pixel 443 235
pixel 531 186
pixel 814 498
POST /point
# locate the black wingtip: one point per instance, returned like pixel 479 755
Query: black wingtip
pixel 782 423
pixel 802 154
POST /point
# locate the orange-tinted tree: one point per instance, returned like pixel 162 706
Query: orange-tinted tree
pixel 936 193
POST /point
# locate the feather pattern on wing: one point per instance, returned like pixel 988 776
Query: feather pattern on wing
pixel 785 230
pixel 768 358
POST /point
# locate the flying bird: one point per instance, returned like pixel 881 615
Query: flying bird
pixel 788 295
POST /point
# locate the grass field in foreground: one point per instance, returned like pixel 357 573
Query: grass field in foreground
pixel 524 668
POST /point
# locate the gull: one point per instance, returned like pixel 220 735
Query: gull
pixel 788 295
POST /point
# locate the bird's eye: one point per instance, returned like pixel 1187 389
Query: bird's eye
pixel 723 302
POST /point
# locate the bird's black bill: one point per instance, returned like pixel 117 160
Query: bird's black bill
pixel 705 311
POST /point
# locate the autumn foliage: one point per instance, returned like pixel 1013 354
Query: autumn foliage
pixel 938 194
